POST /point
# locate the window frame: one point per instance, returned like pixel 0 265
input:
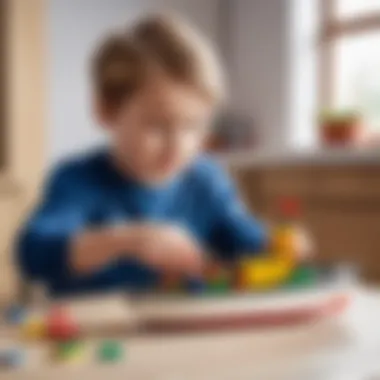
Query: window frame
pixel 332 28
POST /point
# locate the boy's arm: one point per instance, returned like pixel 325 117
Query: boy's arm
pixel 54 243
pixel 57 243
pixel 43 242
pixel 234 231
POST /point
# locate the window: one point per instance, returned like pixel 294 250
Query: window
pixel 353 8
pixel 350 64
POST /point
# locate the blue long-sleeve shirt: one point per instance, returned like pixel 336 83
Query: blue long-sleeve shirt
pixel 89 192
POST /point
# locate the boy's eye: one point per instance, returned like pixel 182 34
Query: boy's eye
pixel 155 125
pixel 194 124
pixel 193 127
pixel 189 126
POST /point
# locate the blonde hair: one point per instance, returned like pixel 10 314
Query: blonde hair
pixel 123 62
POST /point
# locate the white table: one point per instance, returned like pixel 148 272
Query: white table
pixel 340 349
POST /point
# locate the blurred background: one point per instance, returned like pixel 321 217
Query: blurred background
pixel 303 117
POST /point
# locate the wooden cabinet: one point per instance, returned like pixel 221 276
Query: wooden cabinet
pixel 22 120
pixel 341 207
pixel 10 216
pixel 3 91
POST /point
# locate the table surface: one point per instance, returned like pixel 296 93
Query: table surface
pixel 329 349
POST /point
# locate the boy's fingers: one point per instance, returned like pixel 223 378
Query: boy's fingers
pixel 195 262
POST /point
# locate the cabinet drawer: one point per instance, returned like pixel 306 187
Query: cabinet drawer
pixel 286 183
pixel 355 183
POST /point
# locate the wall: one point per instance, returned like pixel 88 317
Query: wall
pixel 269 51
pixel 258 64
pixel 74 27
pixel 273 68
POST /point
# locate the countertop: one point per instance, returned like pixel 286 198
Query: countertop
pixel 342 348
pixel 301 157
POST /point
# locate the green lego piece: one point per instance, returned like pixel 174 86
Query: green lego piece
pixel 303 275
pixel 218 286
pixel 72 349
pixel 111 351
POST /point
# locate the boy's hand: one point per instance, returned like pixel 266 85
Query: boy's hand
pixel 168 248
pixel 304 246
pixel 165 247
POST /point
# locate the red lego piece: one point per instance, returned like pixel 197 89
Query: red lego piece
pixel 289 208
pixel 61 326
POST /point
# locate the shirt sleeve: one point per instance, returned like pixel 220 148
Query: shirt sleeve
pixel 235 231
pixel 43 242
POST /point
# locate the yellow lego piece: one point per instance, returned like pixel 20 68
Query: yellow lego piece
pixel 283 243
pixel 263 272
pixel 70 352
pixel 34 329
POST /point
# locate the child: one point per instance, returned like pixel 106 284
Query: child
pixel 149 203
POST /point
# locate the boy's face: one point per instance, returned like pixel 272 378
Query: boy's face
pixel 160 130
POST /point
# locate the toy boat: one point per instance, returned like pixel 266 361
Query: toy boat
pixel 329 295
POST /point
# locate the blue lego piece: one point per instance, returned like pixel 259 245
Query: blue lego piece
pixel 12 358
pixel 195 286
pixel 16 358
pixel 15 315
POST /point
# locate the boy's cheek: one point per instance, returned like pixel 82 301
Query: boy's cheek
pixel 174 155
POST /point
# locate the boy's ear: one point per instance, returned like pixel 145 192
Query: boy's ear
pixel 101 113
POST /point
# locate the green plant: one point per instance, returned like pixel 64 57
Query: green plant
pixel 338 117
